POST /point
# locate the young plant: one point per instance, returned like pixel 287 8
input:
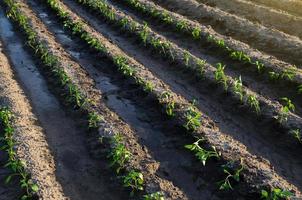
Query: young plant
pixel 254 103
pixel 134 180
pixel 274 76
pixel 94 119
pixel 276 194
pixel 165 99
pixel 239 55
pixel 196 33
pixel 260 67
pixel 154 196
pixel 202 154
pixel 201 67
pixel 144 33
pixel 237 88
pixel 232 173
pixel 285 110
pixel 297 134
pixel 119 154
pixel 220 76
pixel 186 58
pixel 288 73
pixel 182 26
pixel 193 119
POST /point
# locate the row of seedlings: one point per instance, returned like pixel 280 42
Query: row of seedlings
pixel 16 166
pixel 288 73
pixel 120 156
pixel 282 114
pixel 189 117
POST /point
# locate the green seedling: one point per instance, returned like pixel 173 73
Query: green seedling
pixel 260 67
pixel 276 194
pixel 169 103
pixel 134 180
pixel 238 88
pixel 220 76
pixel 202 154
pixel 231 174
pixel 288 73
pixel 287 107
pixel 123 23
pixel 193 119
pixel 182 26
pixel 186 58
pixel 148 86
pixel 155 196
pixel 240 56
pixel 297 134
pixel 123 66
pixel 196 33
pixel 166 17
pixel 94 119
pixel 119 154
pixel 254 103
pixel 274 76
pixel 201 67
pixel 144 33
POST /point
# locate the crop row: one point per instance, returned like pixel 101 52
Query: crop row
pixel 199 33
pixel 281 114
pixel 119 154
pixel 14 164
pixel 172 108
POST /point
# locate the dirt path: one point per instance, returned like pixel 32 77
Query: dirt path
pixel 81 175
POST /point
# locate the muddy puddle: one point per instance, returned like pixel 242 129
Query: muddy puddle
pixel 81 176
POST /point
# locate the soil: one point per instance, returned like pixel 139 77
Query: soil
pixel 270 41
pixel 68 162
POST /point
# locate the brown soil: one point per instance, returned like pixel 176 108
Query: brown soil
pixel 283 46
pixel 52 136
pixel 290 6
pixel 32 147
pixel 91 21
pixel 266 16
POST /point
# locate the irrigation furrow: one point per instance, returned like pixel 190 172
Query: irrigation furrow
pixel 31 145
pixel 266 16
pixel 140 159
pixel 269 109
pixel 242 133
pixel 269 89
pixel 138 111
pixel 208 134
pixel 272 42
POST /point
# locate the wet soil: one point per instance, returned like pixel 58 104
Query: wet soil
pixel 81 175
pixel 242 129
pixel 157 134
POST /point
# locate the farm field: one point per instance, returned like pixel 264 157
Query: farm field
pixel 150 99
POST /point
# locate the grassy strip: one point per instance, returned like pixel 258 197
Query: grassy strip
pixel 77 28
pixel 195 32
pixel 131 178
pixel 13 163
pixel 205 71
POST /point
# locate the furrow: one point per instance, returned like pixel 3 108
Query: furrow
pixel 109 126
pixel 273 42
pixel 67 13
pixel 266 16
